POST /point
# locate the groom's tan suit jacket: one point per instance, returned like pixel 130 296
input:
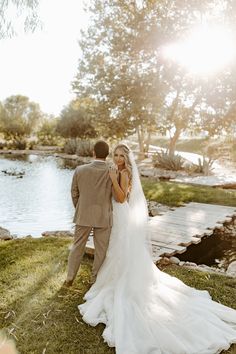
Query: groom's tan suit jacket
pixel 91 193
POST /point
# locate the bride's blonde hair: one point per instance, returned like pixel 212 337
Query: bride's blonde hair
pixel 126 151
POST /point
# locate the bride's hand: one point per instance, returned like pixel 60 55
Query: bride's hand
pixel 113 172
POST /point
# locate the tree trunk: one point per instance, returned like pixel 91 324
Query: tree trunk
pixel 140 134
pixel 173 141
pixel 147 141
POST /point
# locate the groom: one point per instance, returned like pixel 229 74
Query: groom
pixel 91 193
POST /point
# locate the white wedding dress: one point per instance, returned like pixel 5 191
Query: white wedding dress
pixel 145 310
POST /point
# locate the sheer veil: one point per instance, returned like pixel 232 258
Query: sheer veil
pixel 139 258
pixel 138 205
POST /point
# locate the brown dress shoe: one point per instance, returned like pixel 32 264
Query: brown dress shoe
pixel 67 283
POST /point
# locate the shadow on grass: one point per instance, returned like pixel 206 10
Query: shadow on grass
pixel 40 315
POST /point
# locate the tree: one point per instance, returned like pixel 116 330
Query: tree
pixel 47 131
pixel 26 10
pixel 76 120
pixel 118 69
pixel 19 117
pixel 123 68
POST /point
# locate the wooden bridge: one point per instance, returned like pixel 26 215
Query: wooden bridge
pixel 172 232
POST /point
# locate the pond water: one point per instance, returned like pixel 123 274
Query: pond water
pixel 40 200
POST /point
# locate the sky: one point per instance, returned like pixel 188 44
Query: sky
pixel 41 65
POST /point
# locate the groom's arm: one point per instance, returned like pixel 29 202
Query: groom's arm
pixel 75 189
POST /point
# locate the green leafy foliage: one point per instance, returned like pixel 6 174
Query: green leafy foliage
pixel 135 87
pixel 24 10
pixel 19 118
pixel 79 147
pixel 47 133
pixel 76 120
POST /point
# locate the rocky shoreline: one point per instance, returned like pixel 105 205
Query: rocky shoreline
pixel 145 166
pixel 47 152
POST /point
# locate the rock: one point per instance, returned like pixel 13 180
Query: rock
pixel 174 260
pixel 18 174
pixel 206 268
pixel 155 212
pixel 231 270
pixel 156 208
pixel 191 264
pixel 146 172
pixel 5 234
pixel 164 261
pixel 61 233
pixel 181 263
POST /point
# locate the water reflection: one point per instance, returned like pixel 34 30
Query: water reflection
pixel 40 200
pixel 68 164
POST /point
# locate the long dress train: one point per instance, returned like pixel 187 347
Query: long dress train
pixel 147 311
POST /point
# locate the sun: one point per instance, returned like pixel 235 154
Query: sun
pixel 206 50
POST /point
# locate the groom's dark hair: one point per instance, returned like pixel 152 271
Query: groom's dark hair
pixel 101 149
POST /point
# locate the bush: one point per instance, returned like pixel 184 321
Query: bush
pixel 70 147
pixel 84 148
pixel 79 147
pixel 168 162
pixel 204 166
pixel 22 144
pixel 49 140
pixel 19 144
pixel 3 145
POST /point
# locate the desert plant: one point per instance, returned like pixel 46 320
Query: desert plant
pixel 70 146
pixel 79 147
pixel 204 166
pixel 169 162
pixel 84 148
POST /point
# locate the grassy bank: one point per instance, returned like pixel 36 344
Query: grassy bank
pixel 42 317
pixel 176 194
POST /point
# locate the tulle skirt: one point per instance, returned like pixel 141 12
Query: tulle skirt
pixel 146 311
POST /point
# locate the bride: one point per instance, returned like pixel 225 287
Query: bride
pixel 145 310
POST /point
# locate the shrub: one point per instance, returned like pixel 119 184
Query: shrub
pixel 19 144
pixel 204 166
pixel 84 148
pixel 3 145
pixel 70 147
pixel 79 147
pixel 169 162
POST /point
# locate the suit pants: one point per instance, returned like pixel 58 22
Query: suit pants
pixel 101 238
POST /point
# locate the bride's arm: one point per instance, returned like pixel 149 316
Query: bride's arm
pixel 120 191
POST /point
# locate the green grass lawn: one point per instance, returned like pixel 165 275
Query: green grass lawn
pixel 42 317
pixel 176 194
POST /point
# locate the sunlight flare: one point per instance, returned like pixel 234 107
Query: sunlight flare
pixel 206 50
